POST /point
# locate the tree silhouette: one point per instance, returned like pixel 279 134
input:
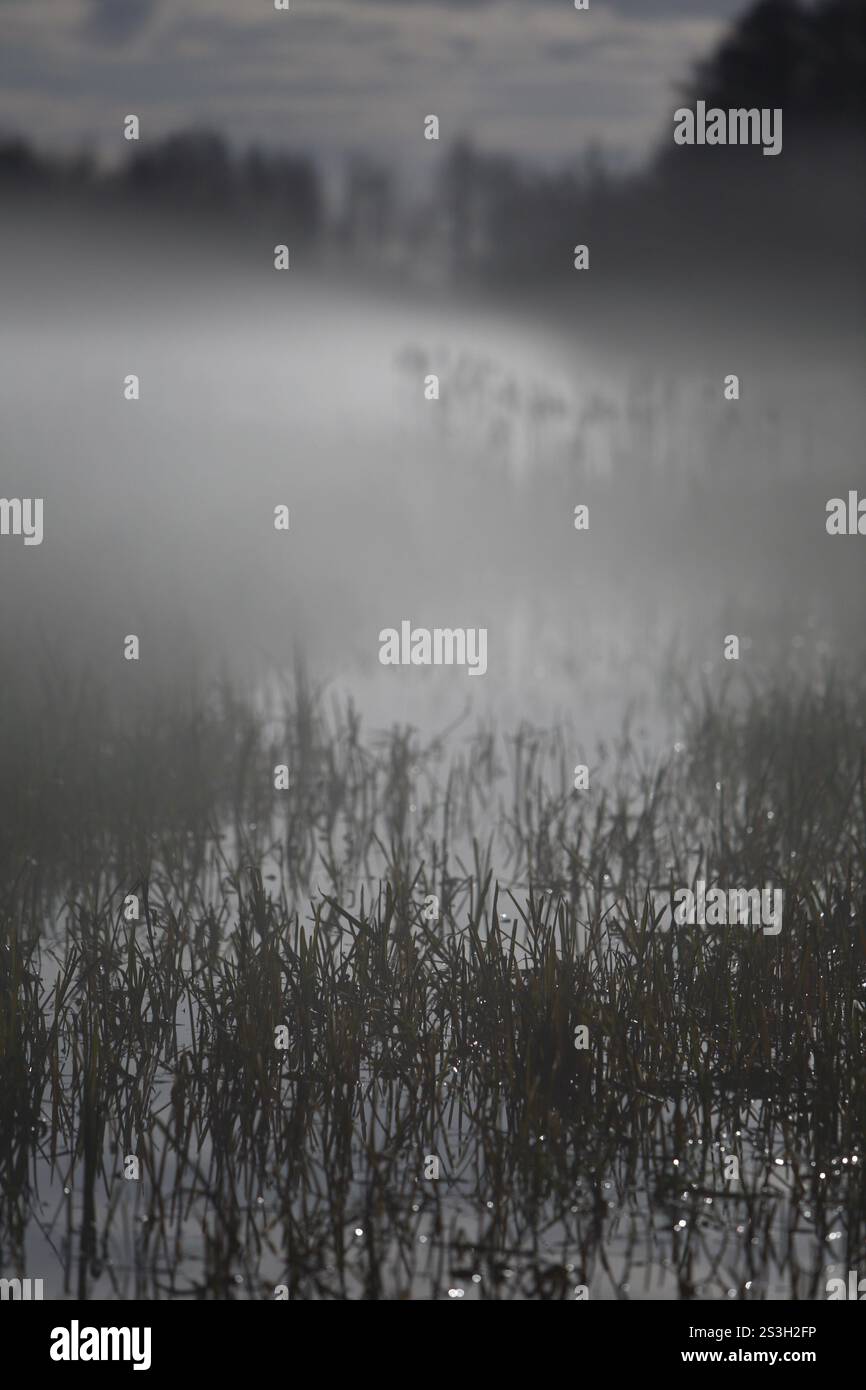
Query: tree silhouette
pixel 808 59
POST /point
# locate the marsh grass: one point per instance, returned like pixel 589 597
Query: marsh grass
pixel 410 1038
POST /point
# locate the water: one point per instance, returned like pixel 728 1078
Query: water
pixel 705 519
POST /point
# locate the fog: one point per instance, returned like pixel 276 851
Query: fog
pixel 306 388
pixel 323 977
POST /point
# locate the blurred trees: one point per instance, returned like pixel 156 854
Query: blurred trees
pixel 192 175
pixel 493 218
pixel 696 206
pixel 194 172
pixel 809 59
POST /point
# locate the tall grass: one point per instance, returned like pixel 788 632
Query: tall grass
pixel 413 1036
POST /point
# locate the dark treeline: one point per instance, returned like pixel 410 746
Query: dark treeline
pixel 798 216
pixel 194 173
pixel 794 215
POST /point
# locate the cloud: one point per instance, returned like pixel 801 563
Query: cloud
pixel 117 21
pixel 533 78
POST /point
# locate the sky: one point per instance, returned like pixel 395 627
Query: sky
pixel 532 78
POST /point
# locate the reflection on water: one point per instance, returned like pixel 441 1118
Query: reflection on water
pixel 450 1036
pixel 558 1170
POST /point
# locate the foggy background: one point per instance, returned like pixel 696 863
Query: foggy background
pixel 306 388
